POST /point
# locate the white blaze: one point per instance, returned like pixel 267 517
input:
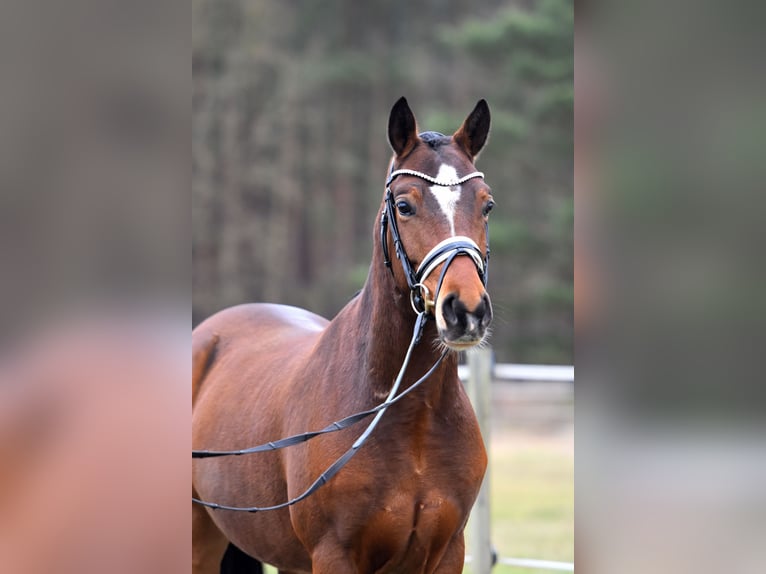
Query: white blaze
pixel 447 196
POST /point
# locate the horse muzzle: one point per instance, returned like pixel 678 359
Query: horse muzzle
pixel 461 327
pixel 462 307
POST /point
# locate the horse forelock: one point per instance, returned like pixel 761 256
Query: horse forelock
pixel 435 139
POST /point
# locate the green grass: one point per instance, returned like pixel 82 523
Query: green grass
pixel 532 497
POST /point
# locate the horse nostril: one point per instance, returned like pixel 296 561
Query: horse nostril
pixel 450 310
pixel 483 311
pixel 480 310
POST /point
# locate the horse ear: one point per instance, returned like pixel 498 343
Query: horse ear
pixel 402 129
pixel 472 135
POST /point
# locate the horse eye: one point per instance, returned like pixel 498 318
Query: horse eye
pixel 488 208
pixel 405 208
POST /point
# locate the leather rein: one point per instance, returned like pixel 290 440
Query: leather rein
pixel 444 252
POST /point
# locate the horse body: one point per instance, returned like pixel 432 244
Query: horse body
pixel 396 502
pixel 262 372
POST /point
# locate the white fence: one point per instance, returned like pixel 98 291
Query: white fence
pixel 479 373
pixel 513 372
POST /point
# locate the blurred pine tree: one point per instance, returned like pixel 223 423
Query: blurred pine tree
pixel 289 150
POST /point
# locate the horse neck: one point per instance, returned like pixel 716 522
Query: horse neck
pixel 386 321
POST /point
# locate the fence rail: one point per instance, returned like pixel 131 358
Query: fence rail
pixel 538 564
pixel 516 372
pixel 479 374
pixel 531 563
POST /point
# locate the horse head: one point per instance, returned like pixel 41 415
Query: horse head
pixel 436 208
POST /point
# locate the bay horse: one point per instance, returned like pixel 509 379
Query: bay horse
pixel 264 371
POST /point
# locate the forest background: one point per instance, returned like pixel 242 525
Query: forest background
pixel 289 152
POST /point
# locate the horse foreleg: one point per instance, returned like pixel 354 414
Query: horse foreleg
pixel 453 558
pixel 330 558
pixel 208 543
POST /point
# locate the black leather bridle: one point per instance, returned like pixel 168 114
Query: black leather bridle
pixel 444 251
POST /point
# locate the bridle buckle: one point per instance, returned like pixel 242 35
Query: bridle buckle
pixel 422 299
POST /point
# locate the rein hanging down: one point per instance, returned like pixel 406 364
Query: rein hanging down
pixel 341 461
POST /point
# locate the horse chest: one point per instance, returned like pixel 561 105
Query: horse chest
pixel 409 511
pixel 407 532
